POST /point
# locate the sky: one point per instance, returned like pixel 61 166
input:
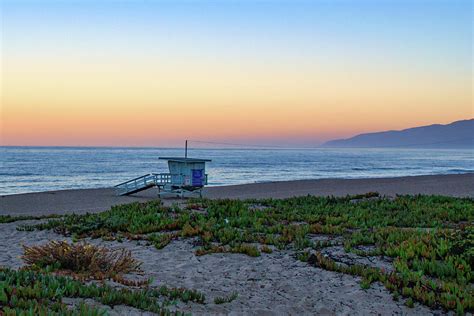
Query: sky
pixel 290 73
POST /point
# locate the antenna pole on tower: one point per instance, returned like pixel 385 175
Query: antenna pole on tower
pixel 186 149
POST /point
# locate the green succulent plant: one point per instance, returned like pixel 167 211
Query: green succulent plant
pixel 429 238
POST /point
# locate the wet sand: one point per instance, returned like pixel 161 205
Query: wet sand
pixel 96 200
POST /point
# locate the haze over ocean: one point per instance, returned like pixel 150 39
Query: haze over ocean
pixel 33 169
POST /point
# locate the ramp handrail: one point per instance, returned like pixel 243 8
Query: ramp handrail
pixel 162 178
pixel 144 176
pixel 150 180
pixel 142 183
pixel 135 185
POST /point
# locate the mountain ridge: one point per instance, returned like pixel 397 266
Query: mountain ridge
pixel 458 134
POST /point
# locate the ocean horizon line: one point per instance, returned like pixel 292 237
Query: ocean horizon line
pixel 255 147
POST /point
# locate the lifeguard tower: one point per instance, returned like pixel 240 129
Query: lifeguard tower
pixel 186 176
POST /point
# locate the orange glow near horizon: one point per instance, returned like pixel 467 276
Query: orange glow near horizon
pixel 96 91
pixel 98 105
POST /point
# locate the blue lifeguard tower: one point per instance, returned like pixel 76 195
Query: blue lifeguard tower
pixel 186 176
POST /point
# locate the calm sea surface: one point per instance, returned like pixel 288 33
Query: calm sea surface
pixel 32 169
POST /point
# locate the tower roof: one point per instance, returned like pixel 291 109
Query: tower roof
pixel 182 159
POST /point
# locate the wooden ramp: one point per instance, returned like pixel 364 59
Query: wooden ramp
pixel 136 185
pixel 142 183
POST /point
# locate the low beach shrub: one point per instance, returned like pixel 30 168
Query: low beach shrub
pixel 266 249
pixel 10 219
pixel 226 299
pixel 81 259
pixel 161 240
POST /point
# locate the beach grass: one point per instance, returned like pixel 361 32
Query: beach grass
pixel 429 238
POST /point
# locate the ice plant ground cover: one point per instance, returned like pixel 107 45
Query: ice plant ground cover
pixel 428 239
pixel 27 292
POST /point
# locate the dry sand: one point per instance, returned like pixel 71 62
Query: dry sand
pixel 271 284
pixel 95 200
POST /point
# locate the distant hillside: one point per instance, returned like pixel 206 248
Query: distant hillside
pixel 459 134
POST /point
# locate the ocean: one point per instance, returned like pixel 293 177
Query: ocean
pixel 34 169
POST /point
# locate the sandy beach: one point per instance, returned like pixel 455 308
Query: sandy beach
pixel 274 283
pixel 96 200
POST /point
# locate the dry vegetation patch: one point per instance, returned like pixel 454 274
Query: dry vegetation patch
pixel 83 260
